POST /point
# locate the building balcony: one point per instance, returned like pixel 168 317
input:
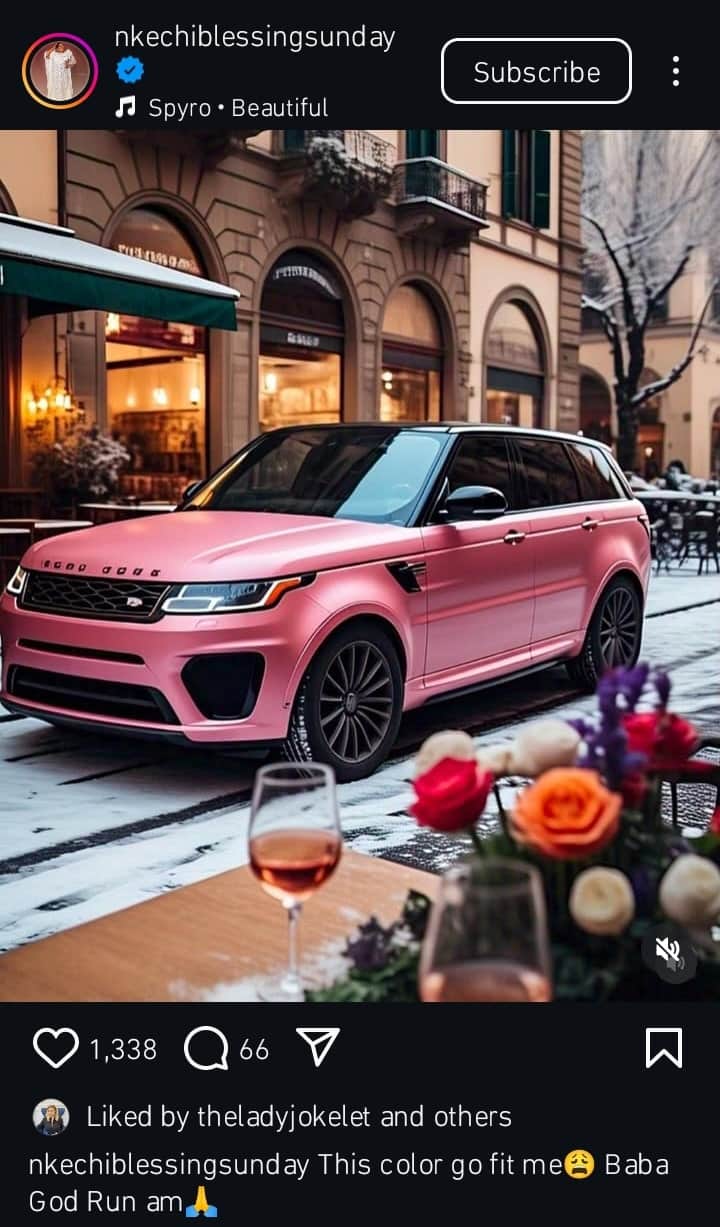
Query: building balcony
pixel 436 202
pixel 349 171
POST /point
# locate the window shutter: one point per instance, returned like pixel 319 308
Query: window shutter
pixel 509 173
pixel 540 169
pixel 294 139
pixel 421 143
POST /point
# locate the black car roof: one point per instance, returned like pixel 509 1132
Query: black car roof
pixel 445 428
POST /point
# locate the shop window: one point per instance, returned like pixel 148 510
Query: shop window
pixel 526 175
pixel 412 359
pixel 156 373
pixel 301 343
pixel 715 445
pixel 595 408
pixel 515 368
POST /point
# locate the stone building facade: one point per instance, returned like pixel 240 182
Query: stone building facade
pixel 420 274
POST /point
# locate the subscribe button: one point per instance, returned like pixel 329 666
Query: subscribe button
pixel 536 71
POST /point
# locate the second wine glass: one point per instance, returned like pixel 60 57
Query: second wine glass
pixel 487 939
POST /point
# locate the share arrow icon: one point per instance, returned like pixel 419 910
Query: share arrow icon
pixel 320 1039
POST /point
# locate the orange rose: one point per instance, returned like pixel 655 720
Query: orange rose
pixel 567 814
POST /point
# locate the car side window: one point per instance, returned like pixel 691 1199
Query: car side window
pixel 549 475
pixel 482 460
pixel 595 473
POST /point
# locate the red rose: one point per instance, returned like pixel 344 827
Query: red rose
pixel 660 735
pixel 633 788
pixel 451 796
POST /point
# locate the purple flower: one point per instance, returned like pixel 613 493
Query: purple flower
pixel 370 949
pixel 605 743
pixel 662 685
pixel 644 889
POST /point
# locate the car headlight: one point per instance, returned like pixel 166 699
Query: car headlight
pixel 230 598
pixel 16 583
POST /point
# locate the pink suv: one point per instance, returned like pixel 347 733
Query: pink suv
pixel 325 580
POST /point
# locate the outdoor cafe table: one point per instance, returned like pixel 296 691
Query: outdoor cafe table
pixel 39 529
pixel 198 943
pixel 108 513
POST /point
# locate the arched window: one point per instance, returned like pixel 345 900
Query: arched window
pixel 156 372
pixel 650 439
pixel 302 338
pixel 595 407
pixel 412 358
pixel 515 367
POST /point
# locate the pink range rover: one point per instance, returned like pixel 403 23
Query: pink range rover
pixel 327 579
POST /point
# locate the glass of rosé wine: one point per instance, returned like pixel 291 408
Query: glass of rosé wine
pixel 295 845
pixel 487 939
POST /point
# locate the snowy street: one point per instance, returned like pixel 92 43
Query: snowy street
pixel 91 824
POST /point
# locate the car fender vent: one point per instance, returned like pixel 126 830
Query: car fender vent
pixel 407 574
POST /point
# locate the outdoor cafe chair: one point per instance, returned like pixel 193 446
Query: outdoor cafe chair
pixel 700 540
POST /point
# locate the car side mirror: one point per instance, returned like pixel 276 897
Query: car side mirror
pixel 473 503
pixel 189 491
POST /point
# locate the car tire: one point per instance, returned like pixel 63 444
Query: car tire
pixel 349 704
pixel 613 637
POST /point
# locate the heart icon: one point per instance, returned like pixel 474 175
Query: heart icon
pixel 61 1031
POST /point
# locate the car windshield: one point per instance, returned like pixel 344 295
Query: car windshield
pixel 368 473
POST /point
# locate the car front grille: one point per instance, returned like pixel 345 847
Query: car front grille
pixel 81 597
pixel 90 695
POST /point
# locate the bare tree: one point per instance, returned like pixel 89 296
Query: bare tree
pixel 650 207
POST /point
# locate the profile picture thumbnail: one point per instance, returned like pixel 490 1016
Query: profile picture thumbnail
pixel 50 1117
pixel 59 71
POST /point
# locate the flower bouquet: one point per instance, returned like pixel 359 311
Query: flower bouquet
pixel 85 465
pixel 590 821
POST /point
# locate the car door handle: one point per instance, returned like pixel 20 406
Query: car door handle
pixel 589 524
pixel 513 537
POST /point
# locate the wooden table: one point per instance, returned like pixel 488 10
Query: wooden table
pixel 207 942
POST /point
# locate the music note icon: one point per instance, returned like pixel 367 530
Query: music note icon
pixel 126 105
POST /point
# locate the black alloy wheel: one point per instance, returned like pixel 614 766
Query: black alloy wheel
pixel 618 629
pixel 349 705
pixel 356 701
pixel 614 635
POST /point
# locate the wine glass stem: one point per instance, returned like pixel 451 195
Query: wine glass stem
pixel 293 972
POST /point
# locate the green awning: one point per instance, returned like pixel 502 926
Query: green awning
pixel 57 272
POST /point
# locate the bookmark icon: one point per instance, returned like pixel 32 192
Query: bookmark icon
pixel 127 105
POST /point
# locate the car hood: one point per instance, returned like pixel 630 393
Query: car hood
pixel 213 546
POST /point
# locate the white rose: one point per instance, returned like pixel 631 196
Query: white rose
pixel 443 745
pixel 602 901
pixel 546 744
pixel 690 891
pixel 496 759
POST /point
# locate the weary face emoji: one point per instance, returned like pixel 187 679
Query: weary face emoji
pixel 579 1164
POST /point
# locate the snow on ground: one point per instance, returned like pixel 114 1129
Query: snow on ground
pixel 91 825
